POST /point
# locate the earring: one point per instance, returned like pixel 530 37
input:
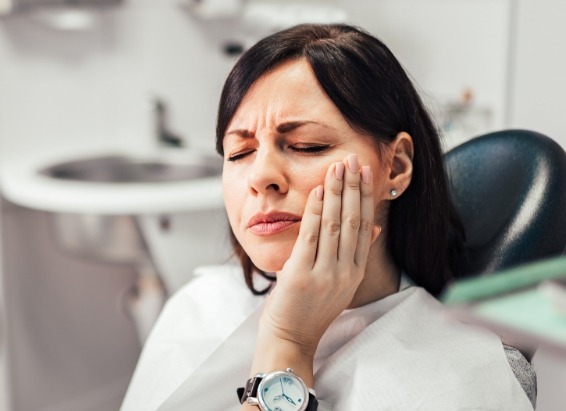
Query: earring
pixel 393 192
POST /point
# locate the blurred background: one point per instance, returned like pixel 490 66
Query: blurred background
pixel 109 185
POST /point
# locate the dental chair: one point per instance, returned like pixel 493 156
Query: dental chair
pixel 509 188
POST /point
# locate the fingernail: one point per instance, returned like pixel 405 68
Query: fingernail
pixel 353 163
pixel 319 193
pixel 366 174
pixel 339 170
pixel 376 232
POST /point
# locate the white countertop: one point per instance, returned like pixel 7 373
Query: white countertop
pixel 21 184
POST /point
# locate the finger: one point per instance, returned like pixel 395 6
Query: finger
pixel 305 248
pixel 367 233
pixel 330 222
pixel 351 213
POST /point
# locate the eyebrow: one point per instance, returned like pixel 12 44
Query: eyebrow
pixel 282 128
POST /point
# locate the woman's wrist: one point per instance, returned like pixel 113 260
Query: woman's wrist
pixel 274 354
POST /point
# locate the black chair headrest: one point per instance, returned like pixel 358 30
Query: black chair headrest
pixel 509 188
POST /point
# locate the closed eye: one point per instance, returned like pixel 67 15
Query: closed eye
pixel 309 149
pixel 240 155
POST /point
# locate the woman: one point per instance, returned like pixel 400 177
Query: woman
pixel 336 195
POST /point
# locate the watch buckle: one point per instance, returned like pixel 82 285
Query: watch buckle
pixel 253 401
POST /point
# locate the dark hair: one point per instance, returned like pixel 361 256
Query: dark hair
pixel 374 94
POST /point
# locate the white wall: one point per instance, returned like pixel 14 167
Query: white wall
pixel 447 46
pixel 61 89
pixel 539 71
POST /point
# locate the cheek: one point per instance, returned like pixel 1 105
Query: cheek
pixel 306 182
pixel 380 185
pixel 232 191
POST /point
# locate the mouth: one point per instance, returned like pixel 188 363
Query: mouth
pixel 272 223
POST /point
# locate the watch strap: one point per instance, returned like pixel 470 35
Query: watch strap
pixel 250 390
pixel 313 403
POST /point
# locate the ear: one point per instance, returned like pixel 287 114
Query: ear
pixel 400 165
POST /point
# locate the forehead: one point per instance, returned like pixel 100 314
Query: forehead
pixel 290 92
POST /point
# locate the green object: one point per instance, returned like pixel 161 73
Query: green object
pixel 528 301
pixel 514 279
pixel 529 311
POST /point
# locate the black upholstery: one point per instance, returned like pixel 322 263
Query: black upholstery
pixel 509 188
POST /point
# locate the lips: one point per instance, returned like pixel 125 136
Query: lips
pixel 272 223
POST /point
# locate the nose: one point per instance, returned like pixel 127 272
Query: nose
pixel 268 173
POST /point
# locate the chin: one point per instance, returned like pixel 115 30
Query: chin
pixel 269 254
pixel 269 259
pixel 268 265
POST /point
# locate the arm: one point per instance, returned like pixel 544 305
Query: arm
pixel 321 276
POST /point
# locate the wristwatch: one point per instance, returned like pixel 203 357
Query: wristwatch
pixel 278 391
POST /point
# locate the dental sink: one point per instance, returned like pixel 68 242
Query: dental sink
pixel 123 169
pixel 115 181
pixel 96 199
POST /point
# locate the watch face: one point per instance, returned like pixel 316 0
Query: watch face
pixel 282 391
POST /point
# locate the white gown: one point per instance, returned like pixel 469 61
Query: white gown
pixel 398 353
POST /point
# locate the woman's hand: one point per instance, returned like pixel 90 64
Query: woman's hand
pixel 325 268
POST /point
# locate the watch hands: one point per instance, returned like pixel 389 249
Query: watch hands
pixel 278 397
pixel 283 394
pixel 289 399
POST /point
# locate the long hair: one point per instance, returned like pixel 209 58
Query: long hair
pixel 371 89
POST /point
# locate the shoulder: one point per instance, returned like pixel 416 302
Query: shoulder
pixel 193 323
pixel 212 287
pixel 210 284
pixel 216 299
pixel 472 357
pixel 418 354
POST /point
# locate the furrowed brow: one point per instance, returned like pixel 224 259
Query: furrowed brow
pixel 241 133
pixel 282 128
pixel 293 125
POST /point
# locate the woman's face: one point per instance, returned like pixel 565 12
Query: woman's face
pixel 277 148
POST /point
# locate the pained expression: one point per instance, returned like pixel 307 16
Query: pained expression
pixel 277 148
